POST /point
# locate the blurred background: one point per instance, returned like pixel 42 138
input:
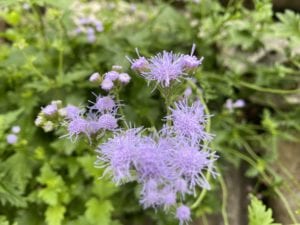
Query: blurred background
pixel 249 78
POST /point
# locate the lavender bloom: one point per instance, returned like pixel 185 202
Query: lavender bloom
pixel 107 122
pixel 124 78
pixel 72 112
pixel 76 127
pixel 11 139
pixel 191 62
pixel 240 103
pixel 183 214
pixel 95 77
pixel 189 163
pixel 50 110
pixel 111 75
pixel 105 103
pixel 107 84
pixel 118 154
pixel 189 120
pixel 16 129
pixel 141 64
pixel 164 68
pixel 98 26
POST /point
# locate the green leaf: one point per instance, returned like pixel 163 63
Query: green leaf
pixel 55 214
pixel 7 119
pixel 258 213
pixel 98 212
pixel 19 169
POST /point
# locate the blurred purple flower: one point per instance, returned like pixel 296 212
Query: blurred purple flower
pixel 111 75
pixel 105 103
pixel 107 122
pixel 107 84
pixel 124 78
pixel 11 139
pixel 183 214
pixel 16 129
pixel 50 110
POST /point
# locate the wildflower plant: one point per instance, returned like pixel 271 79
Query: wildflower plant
pixel 168 164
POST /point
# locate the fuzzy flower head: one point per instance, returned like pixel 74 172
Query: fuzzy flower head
pixel 72 112
pixel 76 127
pixel 124 78
pixel 118 154
pixel 183 214
pixel 16 129
pixel 140 64
pixel 104 104
pixel 107 84
pixel 189 120
pixel 164 68
pixel 107 122
pixel 111 75
pixel 50 110
pixel 191 62
pixel 189 163
pixel 95 78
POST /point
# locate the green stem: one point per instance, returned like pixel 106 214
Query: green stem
pixel 207 129
pixel 224 198
pixel 269 90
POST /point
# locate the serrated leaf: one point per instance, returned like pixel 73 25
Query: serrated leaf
pixel 19 169
pixel 258 213
pixel 98 212
pixel 55 214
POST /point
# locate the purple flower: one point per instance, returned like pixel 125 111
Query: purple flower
pixel 76 127
pixel 16 129
pixel 118 154
pixel 50 110
pixel 140 64
pixel 188 120
pixel 72 112
pixel 183 214
pixel 107 121
pixel 191 62
pixel 189 163
pixel 104 104
pixel 164 68
pixel 107 84
pixel 124 78
pixel 188 91
pixel 11 139
pixel 95 77
pixel 112 75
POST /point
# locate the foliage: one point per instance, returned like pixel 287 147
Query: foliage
pixel 250 54
pixel 259 214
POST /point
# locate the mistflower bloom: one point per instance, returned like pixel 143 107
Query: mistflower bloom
pixel 191 62
pixel 11 139
pixel 111 75
pixel 50 110
pixel 72 112
pixel 188 120
pixel 16 129
pixel 140 64
pixel 118 154
pixel 76 127
pixel 107 121
pixel 107 84
pixel 183 214
pixel 95 78
pixel 124 78
pixel 105 103
pixel 164 68
pixel 189 163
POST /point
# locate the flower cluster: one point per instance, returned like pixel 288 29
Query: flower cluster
pixel 231 105
pixel 168 165
pixel 88 26
pixel 110 78
pixel 48 115
pixel 12 138
pixel 166 67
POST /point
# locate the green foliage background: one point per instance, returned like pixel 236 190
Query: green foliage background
pixel 250 54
